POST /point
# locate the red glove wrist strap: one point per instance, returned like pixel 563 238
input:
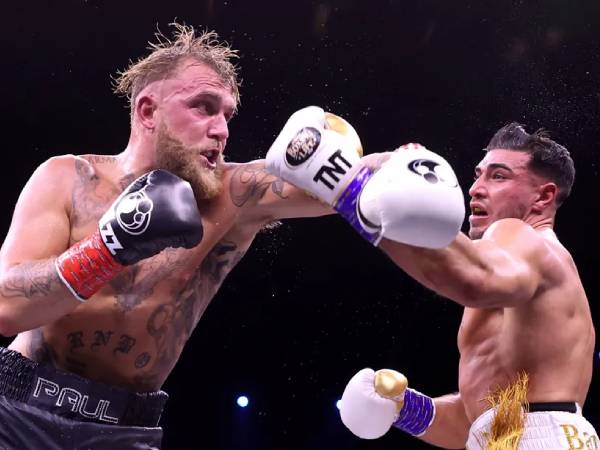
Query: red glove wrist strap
pixel 87 266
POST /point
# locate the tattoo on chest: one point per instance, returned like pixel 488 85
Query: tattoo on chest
pixel 39 350
pixel 137 283
pixel 250 182
pixel 75 340
pixel 126 180
pixel 171 324
pixel 102 159
pixel 91 197
pixel 101 339
pixel 86 206
pixel 125 344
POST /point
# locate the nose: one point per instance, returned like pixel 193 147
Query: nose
pixel 477 189
pixel 218 128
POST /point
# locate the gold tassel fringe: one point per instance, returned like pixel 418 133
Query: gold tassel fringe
pixel 509 422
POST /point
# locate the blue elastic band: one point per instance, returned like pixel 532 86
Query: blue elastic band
pixel 417 413
pixel 346 204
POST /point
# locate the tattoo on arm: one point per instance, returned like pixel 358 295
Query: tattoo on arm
pixel 251 182
pixel 30 280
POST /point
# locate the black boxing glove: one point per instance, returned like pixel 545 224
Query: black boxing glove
pixel 156 211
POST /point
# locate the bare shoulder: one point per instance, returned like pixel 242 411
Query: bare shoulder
pixel 59 176
pixel 516 235
pixel 538 247
pixel 56 174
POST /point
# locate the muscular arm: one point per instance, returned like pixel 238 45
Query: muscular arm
pixel 502 269
pixel 268 197
pixel 31 293
pixel 450 428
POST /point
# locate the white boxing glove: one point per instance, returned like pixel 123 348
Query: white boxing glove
pixel 316 151
pixel 414 198
pixel 364 412
pixel 320 153
pixel 373 402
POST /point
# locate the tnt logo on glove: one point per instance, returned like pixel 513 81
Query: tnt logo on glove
pixel 302 146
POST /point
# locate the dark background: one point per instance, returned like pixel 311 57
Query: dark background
pixel 312 303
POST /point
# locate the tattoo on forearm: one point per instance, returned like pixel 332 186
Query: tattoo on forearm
pixel 30 280
pixel 251 182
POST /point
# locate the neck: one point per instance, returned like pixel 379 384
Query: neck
pixel 139 156
pixel 540 221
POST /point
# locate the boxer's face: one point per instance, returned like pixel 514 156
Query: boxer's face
pixel 503 188
pixel 194 107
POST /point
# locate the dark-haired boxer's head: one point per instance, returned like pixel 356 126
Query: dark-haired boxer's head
pixel 524 176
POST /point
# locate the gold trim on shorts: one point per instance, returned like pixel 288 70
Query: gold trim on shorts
pixel 510 404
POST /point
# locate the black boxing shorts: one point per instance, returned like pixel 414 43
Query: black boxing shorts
pixel 45 408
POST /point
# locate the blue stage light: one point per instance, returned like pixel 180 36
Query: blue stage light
pixel 338 404
pixel 242 401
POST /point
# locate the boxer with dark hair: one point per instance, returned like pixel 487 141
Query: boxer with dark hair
pixel 526 340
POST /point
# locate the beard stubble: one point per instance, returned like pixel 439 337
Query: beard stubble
pixel 183 161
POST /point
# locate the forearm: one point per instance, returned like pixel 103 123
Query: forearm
pixel 450 427
pixel 32 294
pixel 454 271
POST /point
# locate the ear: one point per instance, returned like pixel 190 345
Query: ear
pixel 145 109
pixel 546 197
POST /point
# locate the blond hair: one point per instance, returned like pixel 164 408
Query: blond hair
pixel 166 54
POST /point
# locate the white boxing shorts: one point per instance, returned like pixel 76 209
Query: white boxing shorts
pixel 544 430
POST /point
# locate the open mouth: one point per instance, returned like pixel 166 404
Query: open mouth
pixel 211 157
pixel 478 212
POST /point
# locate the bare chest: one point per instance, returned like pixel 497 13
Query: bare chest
pixel 133 330
pixel 479 326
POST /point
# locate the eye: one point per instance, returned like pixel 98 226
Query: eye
pixel 200 107
pixel 498 176
pixel 204 108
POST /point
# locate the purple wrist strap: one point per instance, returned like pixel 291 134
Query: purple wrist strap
pixel 346 204
pixel 417 413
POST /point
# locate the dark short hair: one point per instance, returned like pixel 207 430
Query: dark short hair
pixel 548 158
